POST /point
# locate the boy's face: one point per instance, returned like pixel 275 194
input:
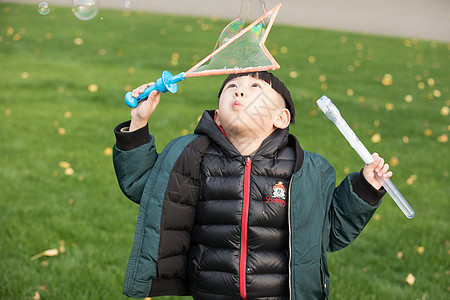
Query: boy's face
pixel 249 105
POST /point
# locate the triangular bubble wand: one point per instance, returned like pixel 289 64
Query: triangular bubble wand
pixel 332 112
pixel 239 49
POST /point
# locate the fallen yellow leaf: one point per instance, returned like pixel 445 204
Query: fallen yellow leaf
pixel 78 41
pixel 387 79
pixel 108 151
pixel 62 247
pixel 428 132
pixel 69 171
pixel 347 170
pixel 376 138
pixel 61 131
pixel 389 106
pixel 394 161
pixel 409 98
pixel 36 296
pixel 93 88
pixel 44 288
pixel 443 138
pixel 410 279
pixel 437 93
pixel 68 114
pixel 445 111
pixel 399 254
pixel 64 164
pixel 49 252
pixel 420 250
pixel 312 112
pixel 411 179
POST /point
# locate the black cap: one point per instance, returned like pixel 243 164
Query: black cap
pixel 274 82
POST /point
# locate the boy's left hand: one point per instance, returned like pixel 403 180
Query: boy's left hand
pixel 376 167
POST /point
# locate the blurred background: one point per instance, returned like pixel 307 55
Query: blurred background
pixel 66 230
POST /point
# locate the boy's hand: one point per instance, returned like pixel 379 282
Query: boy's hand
pixel 376 167
pixel 141 113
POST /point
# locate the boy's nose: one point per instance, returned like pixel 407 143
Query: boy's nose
pixel 236 94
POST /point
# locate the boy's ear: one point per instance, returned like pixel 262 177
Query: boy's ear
pixel 283 119
pixel 216 117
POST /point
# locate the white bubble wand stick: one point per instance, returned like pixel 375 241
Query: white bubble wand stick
pixel 331 111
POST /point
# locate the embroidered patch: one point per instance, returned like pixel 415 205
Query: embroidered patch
pixel 278 194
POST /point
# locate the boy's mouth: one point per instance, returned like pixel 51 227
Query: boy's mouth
pixel 237 103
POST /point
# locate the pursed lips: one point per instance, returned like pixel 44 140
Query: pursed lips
pixel 237 103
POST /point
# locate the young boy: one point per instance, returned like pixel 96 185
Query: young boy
pixel 237 210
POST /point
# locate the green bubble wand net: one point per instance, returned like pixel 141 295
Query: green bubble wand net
pixel 240 48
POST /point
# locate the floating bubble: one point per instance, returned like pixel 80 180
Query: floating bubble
pixel 85 9
pixel 127 3
pixel 44 8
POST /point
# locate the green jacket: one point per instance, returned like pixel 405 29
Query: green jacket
pixel 322 217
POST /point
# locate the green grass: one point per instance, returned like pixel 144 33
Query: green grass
pixel 44 74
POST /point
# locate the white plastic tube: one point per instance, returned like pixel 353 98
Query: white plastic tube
pixel 331 111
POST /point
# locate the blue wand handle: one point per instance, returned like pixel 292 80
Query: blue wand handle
pixel 166 83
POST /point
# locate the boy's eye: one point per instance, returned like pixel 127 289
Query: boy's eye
pixel 255 85
pixel 232 85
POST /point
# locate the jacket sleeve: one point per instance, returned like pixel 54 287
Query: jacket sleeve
pixel 352 205
pixel 134 155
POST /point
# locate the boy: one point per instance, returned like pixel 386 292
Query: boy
pixel 237 210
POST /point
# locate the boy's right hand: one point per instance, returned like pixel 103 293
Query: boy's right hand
pixel 141 113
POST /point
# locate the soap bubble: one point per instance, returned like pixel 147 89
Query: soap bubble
pixel 85 9
pixel 127 3
pixel 44 8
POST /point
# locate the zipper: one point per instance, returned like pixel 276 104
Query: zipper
pixel 244 228
pixel 290 238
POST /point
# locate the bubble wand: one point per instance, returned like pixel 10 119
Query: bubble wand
pixel 239 49
pixel 331 111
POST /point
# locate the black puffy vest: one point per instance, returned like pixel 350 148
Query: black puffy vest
pixel 239 242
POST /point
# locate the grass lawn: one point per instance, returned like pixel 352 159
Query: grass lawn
pixel 62 83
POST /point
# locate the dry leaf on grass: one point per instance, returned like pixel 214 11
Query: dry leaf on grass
pixel 49 252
